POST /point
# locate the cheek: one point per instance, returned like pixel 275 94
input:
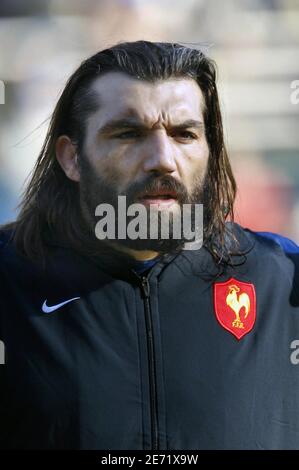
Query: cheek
pixel 196 162
pixel 117 166
pixel 203 152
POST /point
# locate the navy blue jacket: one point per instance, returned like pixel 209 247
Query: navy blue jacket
pixel 99 357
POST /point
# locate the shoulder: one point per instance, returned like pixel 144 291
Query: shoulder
pixel 6 240
pixel 267 250
pixel 272 253
pixel 273 242
pixel 12 263
pixel 282 251
pixel 262 241
pixel 287 245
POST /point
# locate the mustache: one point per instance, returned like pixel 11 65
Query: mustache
pixel 156 184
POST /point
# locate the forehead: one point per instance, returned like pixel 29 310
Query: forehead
pixel 120 95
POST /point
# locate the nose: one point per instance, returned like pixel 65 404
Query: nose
pixel 159 156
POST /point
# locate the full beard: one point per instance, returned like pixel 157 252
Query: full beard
pixel 94 190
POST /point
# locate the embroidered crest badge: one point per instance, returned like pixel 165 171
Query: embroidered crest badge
pixel 235 306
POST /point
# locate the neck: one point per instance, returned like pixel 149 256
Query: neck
pixel 138 255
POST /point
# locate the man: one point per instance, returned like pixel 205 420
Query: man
pixel 141 343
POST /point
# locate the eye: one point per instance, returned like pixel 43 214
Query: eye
pixel 186 135
pixel 127 135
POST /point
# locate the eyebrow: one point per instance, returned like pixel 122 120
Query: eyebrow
pixel 130 123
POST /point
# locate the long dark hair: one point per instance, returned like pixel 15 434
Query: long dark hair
pixel 51 200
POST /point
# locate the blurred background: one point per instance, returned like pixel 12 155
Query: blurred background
pixel 254 42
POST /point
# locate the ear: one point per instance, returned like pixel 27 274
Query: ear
pixel 66 154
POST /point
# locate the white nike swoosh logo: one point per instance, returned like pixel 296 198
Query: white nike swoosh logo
pixel 48 309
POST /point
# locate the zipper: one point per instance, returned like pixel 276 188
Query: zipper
pixel 145 287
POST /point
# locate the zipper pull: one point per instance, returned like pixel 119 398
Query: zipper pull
pixel 145 286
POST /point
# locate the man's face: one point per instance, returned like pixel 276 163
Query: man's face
pixel 146 141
